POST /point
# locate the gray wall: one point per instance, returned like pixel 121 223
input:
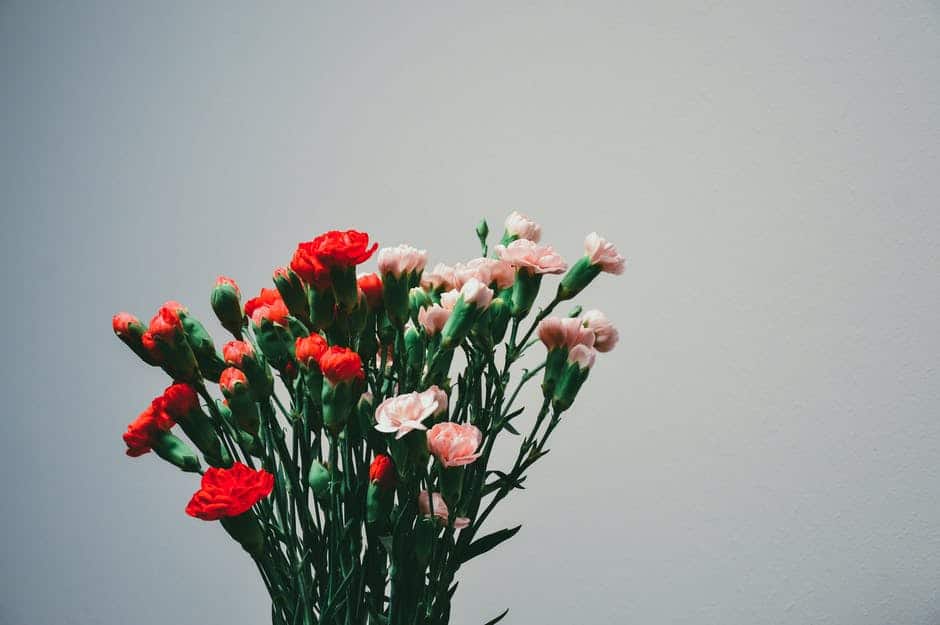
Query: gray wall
pixel 762 448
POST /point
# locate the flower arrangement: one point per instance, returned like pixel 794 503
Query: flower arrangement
pixel 361 483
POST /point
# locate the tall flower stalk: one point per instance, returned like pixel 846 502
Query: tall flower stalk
pixel 350 454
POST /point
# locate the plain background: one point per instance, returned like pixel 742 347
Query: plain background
pixel 762 447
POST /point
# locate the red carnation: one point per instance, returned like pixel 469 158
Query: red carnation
pixel 309 349
pixel 306 265
pixel 235 351
pixel 342 248
pixel 267 297
pixel 341 364
pixel 230 379
pixel 371 286
pixel 140 433
pixel 166 323
pixel 382 472
pixel 229 492
pixel 225 280
pixel 179 400
pixel 122 321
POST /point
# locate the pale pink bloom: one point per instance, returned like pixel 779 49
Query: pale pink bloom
pixel 453 444
pixel 449 299
pixel 476 293
pixel 602 252
pixel 441 277
pixel 524 254
pixel 442 399
pixel 433 318
pixel 522 226
pixel 425 503
pixel 403 413
pixel 487 271
pixel 583 356
pixel 557 332
pixel 605 334
pixel 401 260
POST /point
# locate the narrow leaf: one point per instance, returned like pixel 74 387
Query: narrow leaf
pixel 481 546
pixel 498 618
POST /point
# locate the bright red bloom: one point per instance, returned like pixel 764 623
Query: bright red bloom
pixel 122 321
pixel 308 349
pixel 341 364
pixel 338 248
pixel 230 379
pixel 235 351
pixel 268 305
pixel 229 492
pixel 306 265
pixel 265 298
pixel 226 281
pixel 140 433
pixel 382 471
pixel 179 400
pixel 166 323
pixel 371 286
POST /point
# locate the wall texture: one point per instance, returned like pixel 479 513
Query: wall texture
pixel 762 448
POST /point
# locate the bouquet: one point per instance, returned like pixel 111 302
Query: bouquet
pixel 361 481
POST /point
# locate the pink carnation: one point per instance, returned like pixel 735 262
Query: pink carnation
pixel 601 252
pixel 440 509
pixel 525 254
pixel 583 356
pixel 403 413
pixel 521 226
pixel 441 278
pixel 605 334
pixel 401 260
pixel 453 444
pixel 489 271
pixel 556 333
pixel 433 318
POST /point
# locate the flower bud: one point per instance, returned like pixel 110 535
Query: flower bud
pixel 293 292
pixel 483 231
pixel 474 298
pixel 519 226
pixel 131 331
pixel 414 352
pixel 210 364
pixel 242 355
pixel 176 452
pixel 371 285
pixel 342 369
pixel 599 255
pixel 235 387
pixel 579 363
pixel 182 404
pixel 381 492
pixel 166 329
pixel 226 304
pixel 418 299
pixel 319 480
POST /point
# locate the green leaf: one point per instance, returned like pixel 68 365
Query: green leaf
pixel 498 618
pixel 509 428
pixel 481 546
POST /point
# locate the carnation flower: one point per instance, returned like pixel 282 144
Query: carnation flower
pixel 404 413
pixel 309 349
pixel 371 286
pixel 179 400
pixel 341 364
pixel 167 322
pixel 440 510
pixel 433 318
pixel 382 472
pixel 139 435
pixel 523 227
pixel 234 352
pixel 401 260
pixel 605 334
pixel 556 332
pixel 122 321
pixel 583 356
pixel 441 278
pixel 525 254
pixel 603 254
pixel 230 381
pixel 453 444
pixel 225 281
pixel 489 271
pixel 267 297
pixel 342 248
pixel 229 492
pixel 306 265
pixel 477 294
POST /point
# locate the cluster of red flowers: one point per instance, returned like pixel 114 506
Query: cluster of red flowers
pixel 268 305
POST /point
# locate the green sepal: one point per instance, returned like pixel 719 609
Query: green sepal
pixel 452 485
pixel 322 304
pixel 245 412
pixel 210 364
pixel 246 530
pixel 132 338
pixel 260 378
pixel 395 298
pixel 275 342
pixel 319 480
pixel 293 292
pixel 555 363
pixel 458 324
pixel 178 358
pixel 199 430
pixel 175 451
pixel 337 404
pixel 227 307
pixel 568 386
pixel 414 351
pixel 378 503
pixel 418 298
pixel 345 287
pixel 524 292
pixel 578 277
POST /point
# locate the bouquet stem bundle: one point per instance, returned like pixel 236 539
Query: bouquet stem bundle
pixel 361 482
